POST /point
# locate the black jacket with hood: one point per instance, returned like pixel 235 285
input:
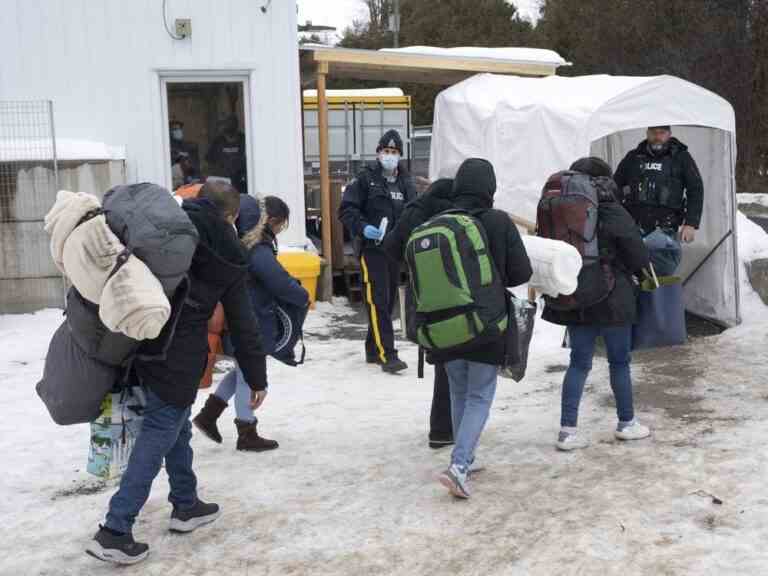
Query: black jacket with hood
pixel 620 243
pixel 661 189
pixel 367 200
pixel 219 272
pixel 473 190
pixel 438 198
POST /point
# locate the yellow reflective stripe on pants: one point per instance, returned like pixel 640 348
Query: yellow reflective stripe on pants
pixel 374 317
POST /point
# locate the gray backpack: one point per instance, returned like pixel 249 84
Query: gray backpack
pixel 154 228
pixel 73 384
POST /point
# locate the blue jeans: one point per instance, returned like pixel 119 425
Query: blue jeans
pixel 665 251
pixel 473 387
pixel 165 434
pixel 234 384
pixel 618 343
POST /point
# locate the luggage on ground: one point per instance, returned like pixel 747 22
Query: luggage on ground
pixel 660 314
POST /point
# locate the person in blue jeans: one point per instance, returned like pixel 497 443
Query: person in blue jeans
pixel 622 248
pixel 472 373
pixel 217 274
pixel 258 225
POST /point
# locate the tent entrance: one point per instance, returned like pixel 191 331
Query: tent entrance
pixel 710 265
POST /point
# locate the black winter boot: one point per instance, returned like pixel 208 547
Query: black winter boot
pixel 110 546
pixel 189 520
pixel 393 365
pixel 206 420
pixel 248 438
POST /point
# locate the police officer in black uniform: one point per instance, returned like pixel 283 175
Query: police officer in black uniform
pixel 660 185
pixel 380 191
pixel 226 155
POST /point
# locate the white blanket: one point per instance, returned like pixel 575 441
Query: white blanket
pixel 132 301
pixel 556 266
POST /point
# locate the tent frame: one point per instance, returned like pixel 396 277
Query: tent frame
pixel 320 63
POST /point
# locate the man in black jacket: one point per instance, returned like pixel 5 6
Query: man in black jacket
pixel 379 191
pixel 218 273
pixel 661 187
pixel 473 373
pixel 622 247
pixel 438 198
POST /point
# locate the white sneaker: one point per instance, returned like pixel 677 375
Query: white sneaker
pixel 569 440
pixel 474 468
pixel 456 482
pixel 632 431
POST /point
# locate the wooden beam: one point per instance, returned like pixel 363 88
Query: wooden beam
pixel 325 173
pixel 338 59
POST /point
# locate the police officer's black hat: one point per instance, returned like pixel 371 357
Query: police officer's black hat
pixel 391 139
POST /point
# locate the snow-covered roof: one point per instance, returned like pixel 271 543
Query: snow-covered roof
pixel 598 105
pixel 362 93
pixel 526 55
pixel 67 149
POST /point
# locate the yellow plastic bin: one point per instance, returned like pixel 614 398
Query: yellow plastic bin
pixel 305 267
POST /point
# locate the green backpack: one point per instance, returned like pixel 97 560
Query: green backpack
pixel 458 301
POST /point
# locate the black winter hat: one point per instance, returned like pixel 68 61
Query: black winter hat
pixel 666 127
pixel 391 139
pixel 592 166
pixel 475 177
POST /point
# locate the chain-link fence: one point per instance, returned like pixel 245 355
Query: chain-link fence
pixel 28 185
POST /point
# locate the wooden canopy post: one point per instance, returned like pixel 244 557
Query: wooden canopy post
pixel 325 172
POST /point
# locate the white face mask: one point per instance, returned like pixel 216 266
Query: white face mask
pixel 389 162
pixel 177 134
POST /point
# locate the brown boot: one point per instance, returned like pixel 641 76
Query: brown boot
pixel 206 420
pixel 249 440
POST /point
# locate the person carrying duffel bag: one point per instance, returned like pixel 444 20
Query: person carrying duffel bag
pixel 579 206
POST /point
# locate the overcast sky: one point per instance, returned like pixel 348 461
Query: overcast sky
pixel 341 13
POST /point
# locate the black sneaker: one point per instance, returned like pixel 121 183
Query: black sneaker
pixel 437 442
pixel 372 359
pixel 192 518
pixel 394 365
pixel 108 546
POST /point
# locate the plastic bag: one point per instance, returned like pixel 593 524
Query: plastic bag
pixel 114 432
pixel 522 315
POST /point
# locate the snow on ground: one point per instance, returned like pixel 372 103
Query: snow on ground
pixel 351 490
pixel 747 198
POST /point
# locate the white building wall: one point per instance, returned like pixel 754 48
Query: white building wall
pixel 100 61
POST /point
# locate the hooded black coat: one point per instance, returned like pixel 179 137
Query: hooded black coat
pixel 219 272
pixel 472 190
pixel 438 198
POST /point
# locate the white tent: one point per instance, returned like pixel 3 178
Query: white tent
pixel 530 128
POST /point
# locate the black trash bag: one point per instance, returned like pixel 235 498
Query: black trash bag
pixel 522 315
